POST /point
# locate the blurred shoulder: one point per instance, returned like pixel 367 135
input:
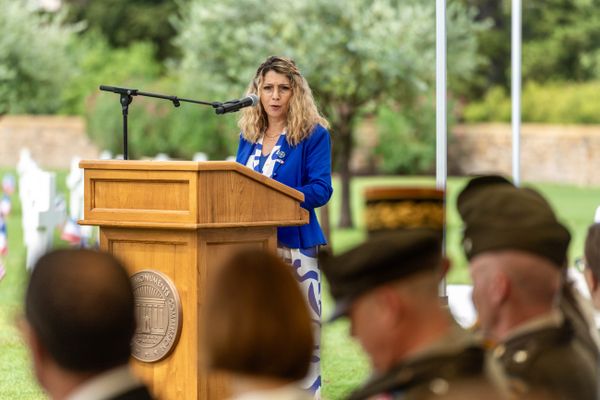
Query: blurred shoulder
pixel 457 374
pixel 318 134
pixel 550 357
pixel 319 130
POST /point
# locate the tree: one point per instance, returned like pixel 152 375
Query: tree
pixel 124 22
pixel 494 46
pixel 560 42
pixel 356 54
pixel 99 64
pixel 34 58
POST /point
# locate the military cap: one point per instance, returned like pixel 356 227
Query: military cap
pixel 498 215
pixel 383 258
pixel 397 208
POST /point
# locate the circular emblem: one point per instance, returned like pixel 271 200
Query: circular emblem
pixel 158 316
pixel 281 154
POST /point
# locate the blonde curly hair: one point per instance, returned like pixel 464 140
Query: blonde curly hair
pixel 302 114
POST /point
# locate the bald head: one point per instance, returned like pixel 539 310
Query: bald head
pixel 80 305
pixel 533 278
pixel 592 249
pixel 512 286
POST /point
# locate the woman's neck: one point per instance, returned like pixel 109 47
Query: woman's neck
pixel 276 126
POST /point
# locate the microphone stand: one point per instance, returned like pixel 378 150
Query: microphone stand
pixel 126 97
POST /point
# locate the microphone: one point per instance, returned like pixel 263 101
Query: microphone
pixel 235 105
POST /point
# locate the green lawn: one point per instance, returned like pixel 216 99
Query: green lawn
pixel 16 380
pixel 344 365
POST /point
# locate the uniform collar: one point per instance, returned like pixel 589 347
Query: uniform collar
pixel 106 385
pixel 552 319
pixel 455 339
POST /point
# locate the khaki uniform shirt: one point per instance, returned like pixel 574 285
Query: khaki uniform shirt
pixel 455 367
pixel 545 356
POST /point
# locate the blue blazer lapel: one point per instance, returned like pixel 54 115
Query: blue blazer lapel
pixel 244 153
pixel 284 153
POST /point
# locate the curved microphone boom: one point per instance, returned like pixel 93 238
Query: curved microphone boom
pixel 235 105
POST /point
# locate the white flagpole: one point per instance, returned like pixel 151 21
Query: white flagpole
pixel 516 90
pixel 440 109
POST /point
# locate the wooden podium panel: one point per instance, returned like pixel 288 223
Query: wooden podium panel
pixel 172 253
pixel 235 199
pixel 182 219
pixel 169 196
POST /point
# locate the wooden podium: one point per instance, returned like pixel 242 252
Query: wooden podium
pixel 181 218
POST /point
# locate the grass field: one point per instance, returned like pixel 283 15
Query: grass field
pixel 16 380
pixel 344 366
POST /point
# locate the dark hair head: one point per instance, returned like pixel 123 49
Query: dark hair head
pixel 592 249
pixel 257 322
pixel 80 305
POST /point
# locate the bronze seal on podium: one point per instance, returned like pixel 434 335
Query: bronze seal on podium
pixel 158 316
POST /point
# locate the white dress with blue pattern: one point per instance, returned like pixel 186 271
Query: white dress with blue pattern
pixel 305 268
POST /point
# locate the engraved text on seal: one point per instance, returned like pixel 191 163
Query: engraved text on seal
pixel 158 315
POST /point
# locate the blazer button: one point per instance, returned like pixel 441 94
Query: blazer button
pixel 275 174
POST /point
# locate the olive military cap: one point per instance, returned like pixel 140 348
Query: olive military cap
pixel 384 258
pixel 498 215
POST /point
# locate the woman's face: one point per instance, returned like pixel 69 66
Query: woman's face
pixel 275 95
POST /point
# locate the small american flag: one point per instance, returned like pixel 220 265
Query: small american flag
pixel 5 205
pixel 3 238
pixel 71 232
pixel 8 184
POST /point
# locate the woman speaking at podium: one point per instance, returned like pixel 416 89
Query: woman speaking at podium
pixel 285 138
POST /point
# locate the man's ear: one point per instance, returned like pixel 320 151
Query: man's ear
pixel 591 280
pixel 37 350
pixel 445 266
pixel 391 304
pixel 500 288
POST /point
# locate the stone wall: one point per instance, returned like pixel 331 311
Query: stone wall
pixel 549 153
pixel 52 140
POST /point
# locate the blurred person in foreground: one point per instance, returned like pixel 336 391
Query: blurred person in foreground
pixel 258 328
pixel 285 138
pixel 388 288
pixel 79 322
pixel 517 252
pixel 589 265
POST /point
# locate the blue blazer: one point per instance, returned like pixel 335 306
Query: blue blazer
pixel 306 167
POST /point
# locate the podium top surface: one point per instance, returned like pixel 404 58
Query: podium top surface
pixel 138 165
pixel 186 194
pixel 162 165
